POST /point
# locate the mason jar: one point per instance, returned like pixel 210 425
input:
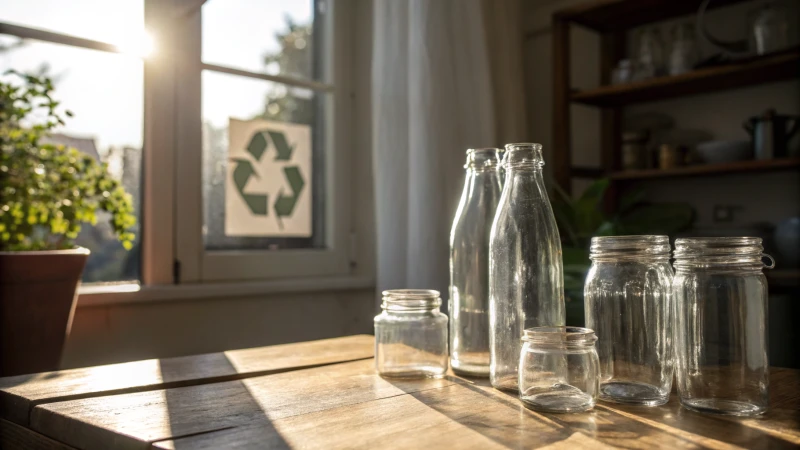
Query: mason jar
pixel 627 303
pixel 558 369
pixel 469 264
pixel 411 335
pixel 720 296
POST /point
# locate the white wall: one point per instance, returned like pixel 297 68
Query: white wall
pixel 761 197
pixel 115 333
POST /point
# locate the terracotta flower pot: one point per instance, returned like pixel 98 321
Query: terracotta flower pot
pixel 38 292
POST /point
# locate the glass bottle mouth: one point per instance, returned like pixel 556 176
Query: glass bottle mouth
pixel 720 252
pixel 523 156
pixel 411 300
pixel 483 159
pixel 630 248
pixel 562 337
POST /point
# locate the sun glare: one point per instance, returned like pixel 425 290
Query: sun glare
pixel 139 44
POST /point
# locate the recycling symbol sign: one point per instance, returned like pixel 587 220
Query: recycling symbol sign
pixel 268 185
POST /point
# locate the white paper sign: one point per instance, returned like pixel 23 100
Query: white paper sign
pixel 268 184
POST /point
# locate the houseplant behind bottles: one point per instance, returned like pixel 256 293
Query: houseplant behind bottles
pixel 46 192
pixel 526 285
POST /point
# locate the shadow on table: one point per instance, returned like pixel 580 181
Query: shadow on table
pixel 197 414
pixel 500 417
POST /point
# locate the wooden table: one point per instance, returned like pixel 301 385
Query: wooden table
pixel 325 394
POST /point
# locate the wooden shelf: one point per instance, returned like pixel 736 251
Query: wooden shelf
pixel 764 69
pixel 616 15
pixel 708 169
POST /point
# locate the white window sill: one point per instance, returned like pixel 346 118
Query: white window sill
pixel 116 294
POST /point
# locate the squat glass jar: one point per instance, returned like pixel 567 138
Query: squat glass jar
pixel 411 335
pixel 720 295
pixel 558 369
pixel 627 303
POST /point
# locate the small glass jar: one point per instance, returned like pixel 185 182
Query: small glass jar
pixel 720 296
pixel 627 301
pixel 411 335
pixel 558 369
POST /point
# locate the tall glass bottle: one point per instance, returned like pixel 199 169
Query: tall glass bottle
pixel 469 264
pixel 526 281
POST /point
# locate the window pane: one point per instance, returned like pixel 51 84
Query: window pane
pixel 227 97
pixel 276 37
pixel 105 93
pixel 112 21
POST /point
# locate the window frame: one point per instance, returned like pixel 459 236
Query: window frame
pixel 196 264
pixel 172 248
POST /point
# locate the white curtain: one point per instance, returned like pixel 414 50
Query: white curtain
pixel 433 73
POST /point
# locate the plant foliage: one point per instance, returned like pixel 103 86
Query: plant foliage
pixel 582 218
pixel 47 191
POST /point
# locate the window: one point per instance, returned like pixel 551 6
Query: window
pixel 104 90
pixel 261 84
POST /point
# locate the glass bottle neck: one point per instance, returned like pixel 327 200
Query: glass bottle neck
pixel 570 338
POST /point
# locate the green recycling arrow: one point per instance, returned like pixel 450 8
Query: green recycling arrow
pixel 256 202
pixel 284 204
pixel 257 146
pixel 282 146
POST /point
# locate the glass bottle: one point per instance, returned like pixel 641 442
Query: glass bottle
pixel 558 369
pixel 411 335
pixel 526 280
pixel 469 264
pixel 627 303
pixel 720 296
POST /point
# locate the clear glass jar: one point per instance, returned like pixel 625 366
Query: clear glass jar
pixel 469 264
pixel 627 303
pixel 526 280
pixel 411 335
pixel 720 296
pixel 558 369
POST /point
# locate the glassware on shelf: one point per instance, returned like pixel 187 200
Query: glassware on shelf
pixel 683 55
pixel 558 369
pixel 627 301
pixel 720 297
pixel 469 264
pixel 526 281
pixel 634 150
pixel 650 59
pixel 411 335
pixel 771 29
pixel 623 73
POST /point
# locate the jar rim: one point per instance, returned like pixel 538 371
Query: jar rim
pixel 560 335
pixel 411 299
pixel 636 246
pixel 745 252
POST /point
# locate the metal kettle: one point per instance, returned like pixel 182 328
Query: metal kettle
pixel 770 134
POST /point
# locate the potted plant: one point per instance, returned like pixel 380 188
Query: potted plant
pixel 582 218
pixel 46 192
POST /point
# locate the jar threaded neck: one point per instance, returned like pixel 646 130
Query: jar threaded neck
pixel 566 337
pixel 650 247
pixel 720 252
pixel 411 300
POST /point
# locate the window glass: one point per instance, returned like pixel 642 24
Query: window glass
pixel 104 91
pixel 118 22
pixel 279 190
pixel 276 37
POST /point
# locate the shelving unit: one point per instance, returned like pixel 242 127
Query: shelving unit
pixel 709 169
pixel 612 19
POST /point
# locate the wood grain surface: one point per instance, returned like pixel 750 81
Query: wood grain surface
pixel 17 437
pixel 347 405
pixel 18 395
